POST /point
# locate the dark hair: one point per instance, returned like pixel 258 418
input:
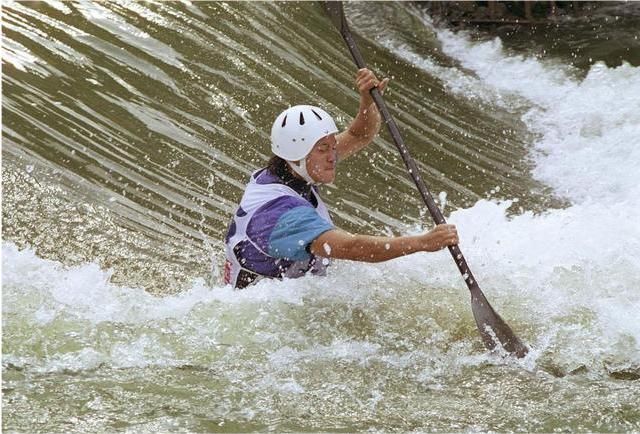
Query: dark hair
pixel 278 166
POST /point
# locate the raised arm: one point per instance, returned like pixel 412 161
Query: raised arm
pixel 366 124
pixel 339 244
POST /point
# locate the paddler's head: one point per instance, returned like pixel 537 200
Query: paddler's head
pixel 305 137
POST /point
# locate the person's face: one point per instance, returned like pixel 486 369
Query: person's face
pixel 321 161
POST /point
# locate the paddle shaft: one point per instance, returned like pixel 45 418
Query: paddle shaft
pixel 410 163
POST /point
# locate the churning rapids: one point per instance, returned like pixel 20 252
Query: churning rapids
pixel 128 132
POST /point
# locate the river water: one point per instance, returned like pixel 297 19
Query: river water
pixel 129 130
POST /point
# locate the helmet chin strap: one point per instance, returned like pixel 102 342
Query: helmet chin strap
pixel 300 167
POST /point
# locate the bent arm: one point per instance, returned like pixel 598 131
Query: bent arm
pixel 366 124
pixel 360 133
pixel 365 248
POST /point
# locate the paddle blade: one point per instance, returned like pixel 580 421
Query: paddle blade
pixel 336 14
pixel 492 328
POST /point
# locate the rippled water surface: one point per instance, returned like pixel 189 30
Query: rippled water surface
pixel 129 130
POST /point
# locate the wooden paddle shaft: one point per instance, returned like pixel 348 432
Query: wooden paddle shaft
pixel 410 163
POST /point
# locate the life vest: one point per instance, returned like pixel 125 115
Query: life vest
pixel 255 196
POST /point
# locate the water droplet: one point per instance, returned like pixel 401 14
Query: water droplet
pixel 327 248
pixel 442 197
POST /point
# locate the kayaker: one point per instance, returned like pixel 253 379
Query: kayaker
pixel 282 228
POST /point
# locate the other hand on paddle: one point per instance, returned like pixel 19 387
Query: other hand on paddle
pixel 365 81
pixel 441 236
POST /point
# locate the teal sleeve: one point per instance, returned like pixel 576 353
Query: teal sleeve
pixel 294 231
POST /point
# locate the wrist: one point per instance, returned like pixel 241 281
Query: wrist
pixel 411 244
pixel 426 242
pixel 366 105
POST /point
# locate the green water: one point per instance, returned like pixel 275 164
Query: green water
pixel 162 111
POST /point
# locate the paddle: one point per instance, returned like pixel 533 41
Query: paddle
pixel 492 328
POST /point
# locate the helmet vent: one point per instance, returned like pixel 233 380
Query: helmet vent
pixel 317 115
pixel 301 119
pixel 284 121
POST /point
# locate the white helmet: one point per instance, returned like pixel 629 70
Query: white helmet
pixel 296 130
